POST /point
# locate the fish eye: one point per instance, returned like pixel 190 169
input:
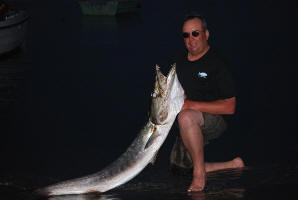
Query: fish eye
pixel 153 95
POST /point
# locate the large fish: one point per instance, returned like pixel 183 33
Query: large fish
pixel 167 100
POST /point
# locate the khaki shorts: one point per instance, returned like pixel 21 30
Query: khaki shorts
pixel 214 126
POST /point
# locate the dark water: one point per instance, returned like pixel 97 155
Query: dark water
pixel 75 95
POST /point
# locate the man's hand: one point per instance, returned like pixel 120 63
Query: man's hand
pixel 187 104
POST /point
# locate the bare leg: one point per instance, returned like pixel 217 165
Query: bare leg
pixel 192 137
pixel 190 122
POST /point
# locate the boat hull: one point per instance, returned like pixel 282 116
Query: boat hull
pixel 109 8
pixel 13 32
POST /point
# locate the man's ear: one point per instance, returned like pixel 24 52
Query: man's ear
pixel 207 34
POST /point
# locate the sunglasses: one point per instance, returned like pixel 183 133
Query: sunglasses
pixel 195 33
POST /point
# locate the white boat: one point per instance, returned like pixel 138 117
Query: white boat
pixel 13 28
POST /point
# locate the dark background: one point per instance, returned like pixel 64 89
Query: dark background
pixel 85 83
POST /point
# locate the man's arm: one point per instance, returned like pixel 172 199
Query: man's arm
pixel 223 106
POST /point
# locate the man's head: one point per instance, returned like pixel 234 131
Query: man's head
pixel 195 34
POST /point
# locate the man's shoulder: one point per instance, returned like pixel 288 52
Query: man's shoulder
pixel 218 59
pixel 215 55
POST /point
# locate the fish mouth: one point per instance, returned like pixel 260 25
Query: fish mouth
pixel 161 81
pixel 159 106
pixel 171 75
pixel 164 83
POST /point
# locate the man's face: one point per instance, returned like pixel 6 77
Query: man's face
pixel 199 44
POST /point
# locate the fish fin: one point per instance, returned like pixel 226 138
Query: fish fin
pixel 154 158
pixel 151 140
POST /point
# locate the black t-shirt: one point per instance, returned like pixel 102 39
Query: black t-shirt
pixel 206 79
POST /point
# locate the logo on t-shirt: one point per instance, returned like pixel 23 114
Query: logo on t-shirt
pixel 202 75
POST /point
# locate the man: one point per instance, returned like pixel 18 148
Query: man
pixel 209 94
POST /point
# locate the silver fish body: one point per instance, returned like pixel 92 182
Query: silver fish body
pixel 167 101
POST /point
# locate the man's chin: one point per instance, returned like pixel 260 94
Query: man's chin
pixel 193 51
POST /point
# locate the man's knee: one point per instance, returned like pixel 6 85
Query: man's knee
pixel 190 117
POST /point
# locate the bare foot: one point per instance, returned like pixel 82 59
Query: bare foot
pixel 238 163
pixel 198 181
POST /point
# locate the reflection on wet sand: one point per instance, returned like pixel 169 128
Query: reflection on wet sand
pixel 84 197
pixel 249 183
pixel 223 184
pixel 231 193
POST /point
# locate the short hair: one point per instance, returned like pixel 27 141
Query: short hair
pixel 193 15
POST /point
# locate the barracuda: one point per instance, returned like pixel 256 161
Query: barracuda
pixel 167 100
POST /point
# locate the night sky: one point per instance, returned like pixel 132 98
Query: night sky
pixel 87 81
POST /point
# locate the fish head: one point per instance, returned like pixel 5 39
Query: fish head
pixel 162 87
